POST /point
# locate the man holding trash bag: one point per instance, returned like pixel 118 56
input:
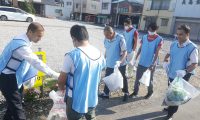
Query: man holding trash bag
pixel 81 75
pixel 115 55
pixel 148 51
pixel 18 64
pixel 183 60
pixel 131 37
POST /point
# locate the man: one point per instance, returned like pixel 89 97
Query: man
pixel 115 52
pixel 18 64
pixel 148 51
pixel 82 69
pixel 131 36
pixel 183 60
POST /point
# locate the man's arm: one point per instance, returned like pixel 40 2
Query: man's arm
pixel 166 59
pixel 123 57
pixel 136 36
pixel 194 61
pixel 27 54
pixel 62 80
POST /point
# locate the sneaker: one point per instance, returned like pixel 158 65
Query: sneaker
pixel 133 95
pixel 149 95
pixel 125 99
pixel 104 96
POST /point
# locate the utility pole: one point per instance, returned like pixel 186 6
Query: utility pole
pixel 81 10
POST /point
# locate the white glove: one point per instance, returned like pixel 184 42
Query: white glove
pixel 118 63
pixel 166 66
pixel 180 73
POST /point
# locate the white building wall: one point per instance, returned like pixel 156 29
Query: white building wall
pixel 187 10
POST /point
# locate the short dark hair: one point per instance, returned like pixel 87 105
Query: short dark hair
pixel 128 21
pixel 35 26
pixel 185 28
pixel 79 32
pixel 153 26
pixel 108 29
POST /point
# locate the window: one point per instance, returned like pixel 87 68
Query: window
pixel 58 11
pixel 183 2
pixel 93 7
pixel 84 5
pixel 76 5
pixel 69 3
pixel 123 10
pixel 160 4
pixel 198 2
pixel 190 2
pixel 155 5
pixel 164 21
pixel 105 6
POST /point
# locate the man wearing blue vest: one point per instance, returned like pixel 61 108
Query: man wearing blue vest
pixel 115 53
pixel 148 51
pixel 18 64
pixel 81 75
pixel 183 60
pixel 131 36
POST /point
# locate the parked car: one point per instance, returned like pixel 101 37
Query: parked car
pixel 11 13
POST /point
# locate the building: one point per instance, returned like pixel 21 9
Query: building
pixel 104 15
pixel 59 9
pixel 125 9
pixel 86 10
pixel 13 3
pixel 159 11
pixel 188 12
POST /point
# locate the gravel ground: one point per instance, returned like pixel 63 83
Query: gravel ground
pixel 57 42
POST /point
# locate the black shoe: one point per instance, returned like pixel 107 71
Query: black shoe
pixel 148 95
pixel 133 95
pixel 104 96
pixel 125 99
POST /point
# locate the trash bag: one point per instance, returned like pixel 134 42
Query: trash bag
pixel 114 81
pixel 146 78
pixel 180 92
pixel 58 111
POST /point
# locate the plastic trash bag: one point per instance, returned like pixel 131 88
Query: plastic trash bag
pixel 180 92
pixel 114 81
pixel 146 78
pixel 58 111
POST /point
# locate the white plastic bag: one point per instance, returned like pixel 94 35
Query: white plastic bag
pixel 146 78
pixel 180 92
pixel 58 111
pixel 114 81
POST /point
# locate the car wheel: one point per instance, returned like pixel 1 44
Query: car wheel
pixel 29 19
pixel 3 18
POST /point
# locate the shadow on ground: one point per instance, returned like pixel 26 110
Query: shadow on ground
pixel 159 115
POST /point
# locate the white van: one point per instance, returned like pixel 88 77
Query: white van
pixel 11 13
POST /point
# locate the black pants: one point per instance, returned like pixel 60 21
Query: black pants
pixel 122 69
pixel 139 73
pixel 73 115
pixel 9 89
pixel 174 109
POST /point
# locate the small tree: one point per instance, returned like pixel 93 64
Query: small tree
pixel 28 7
